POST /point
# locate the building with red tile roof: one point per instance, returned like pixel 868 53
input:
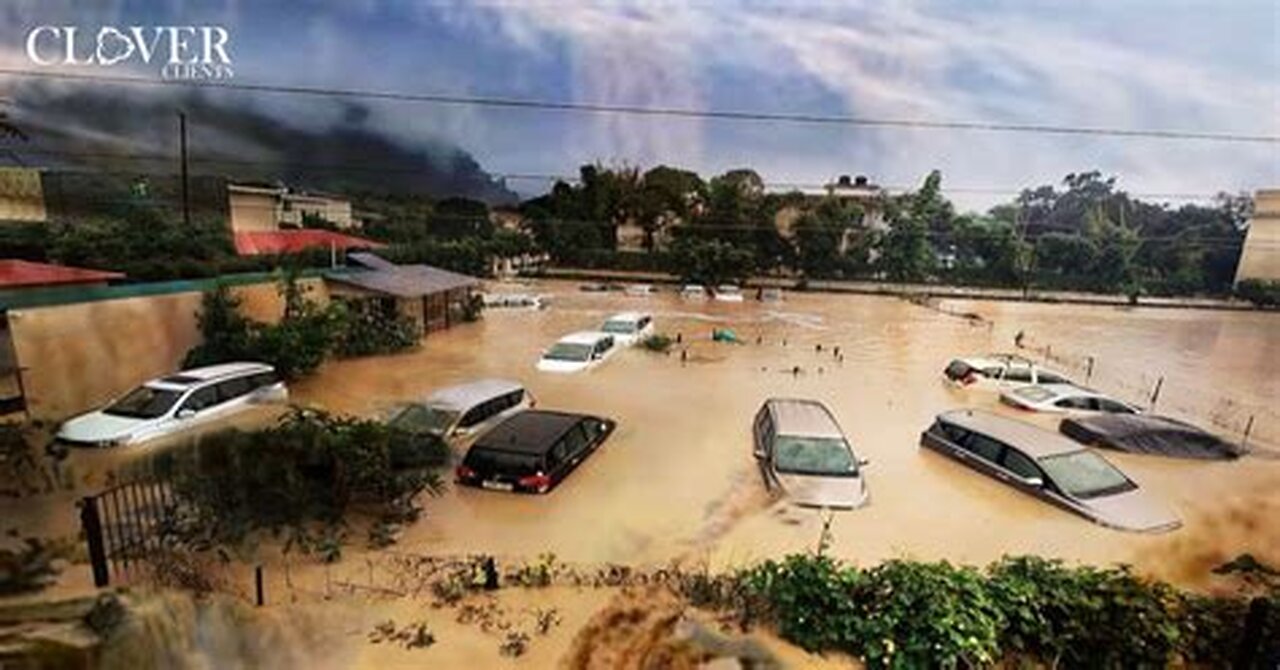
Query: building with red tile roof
pixel 19 274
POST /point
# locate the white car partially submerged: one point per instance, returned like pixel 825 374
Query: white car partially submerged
pixel 728 293
pixel 628 328
pixel 641 290
pixel 175 404
pixel 1063 399
pixel 513 301
pixel 999 371
pixel 693 292
pixel 577 352
pixel 457 412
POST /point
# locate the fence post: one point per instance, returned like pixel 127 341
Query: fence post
pixel 259 591
pixel 1248 428
pixel 91 523
pixel 1155 393
pixel 1088 375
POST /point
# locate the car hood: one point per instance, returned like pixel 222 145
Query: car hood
pixel 1134 510
pixel 548 365
pixel 820 491
pixel 101 427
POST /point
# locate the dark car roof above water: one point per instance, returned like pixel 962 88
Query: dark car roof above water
pixel 1035 442
pixel 529 432
pixel 1150 434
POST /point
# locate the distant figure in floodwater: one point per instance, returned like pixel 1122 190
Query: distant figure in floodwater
pixel 679 338
pixel 835 353
pixel 784 341
pixel 840 359
pixel 1017 339
pixel 684 356
pixel 795 371
pixel 817 348
pixel 759 339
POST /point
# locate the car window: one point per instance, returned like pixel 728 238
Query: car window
pixel 201 399
pixel 233 388
pixel 1016 462
pixel 264 379
pixel 1108 405
pixel 1075 403
pixel 1084 474
pixel 984 447
pixel 1017 374
pixel 954 433
pixel 472 417
pixel 575 441
pixel 514 398
pixel 558 454
pixel 144 402
pixel 1043 377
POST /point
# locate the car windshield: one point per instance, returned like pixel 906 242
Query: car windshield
pixel 423 419
pixel 620 327
pixel 1034 393
pixel 813 456
pixel 144 402
pixel 1084 474
pixel 568 351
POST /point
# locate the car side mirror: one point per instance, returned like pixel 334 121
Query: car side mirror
pixel 186 413
pixel 1034 481
pixel 759 453
pixel 864 462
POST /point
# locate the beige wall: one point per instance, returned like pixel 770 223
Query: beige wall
pixel 1260 258
pixel 75 357
pixel 21 195
pixel 252 212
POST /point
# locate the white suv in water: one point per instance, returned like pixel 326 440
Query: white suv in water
pixel 628 328
pixel 999 371
pixel 175 404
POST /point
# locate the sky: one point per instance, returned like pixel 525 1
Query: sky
pixel 1189 65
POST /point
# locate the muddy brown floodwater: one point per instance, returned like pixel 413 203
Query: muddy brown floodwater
pixel 677 480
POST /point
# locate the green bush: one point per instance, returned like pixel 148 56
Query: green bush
pixel 1260 292
pixel 368 332
pixel 310 467
pixel 905 614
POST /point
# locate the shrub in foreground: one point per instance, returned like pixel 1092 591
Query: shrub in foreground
pixel 906 614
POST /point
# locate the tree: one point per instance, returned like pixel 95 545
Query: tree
pixel 709 262
pixel 906 254
pixel 666 196
pixel 819 236
pixel 455 218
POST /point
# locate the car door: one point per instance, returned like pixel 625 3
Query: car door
pixel 1022 471
pixel 233 394
pixel 982 453
pixel 763 447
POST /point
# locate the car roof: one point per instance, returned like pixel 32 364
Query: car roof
pixel 466 396
pixel 1059 391
pixel 187 378
pixel 529 432
pixel 585 337
pixel 799 416
pixel 1033 441
pixel 1120 425
pixel 995 359
pixel 627 316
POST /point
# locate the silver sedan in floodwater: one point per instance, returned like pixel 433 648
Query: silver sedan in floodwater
pixel 1048 466
pixel 802 452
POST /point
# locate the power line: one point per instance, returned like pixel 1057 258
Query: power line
pixel 668 112
pixel 525 176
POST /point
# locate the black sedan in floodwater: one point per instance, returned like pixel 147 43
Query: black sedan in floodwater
pixel 532 451
pixel 1148 434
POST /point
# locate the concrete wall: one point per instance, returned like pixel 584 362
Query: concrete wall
pixel 253 212
pixel 1260 258
pixel 75 357
pixel 21 195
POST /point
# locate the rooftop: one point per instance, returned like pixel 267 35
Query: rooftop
pixel 1035 442
pixel 464 396
pixel 401 281
pixel 19 274
pixel 800 417
pixel 255 243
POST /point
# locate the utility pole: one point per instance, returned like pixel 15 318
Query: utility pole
pixel 186 202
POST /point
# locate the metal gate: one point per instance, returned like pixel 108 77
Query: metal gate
pixel 123 524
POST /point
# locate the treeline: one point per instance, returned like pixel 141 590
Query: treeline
pixel 1085 234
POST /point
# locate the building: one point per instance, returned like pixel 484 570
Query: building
pixel 434 299
pixel 271 219
pixel 256 207
pixel 1260 257
pixel 867 195
pixel 21 195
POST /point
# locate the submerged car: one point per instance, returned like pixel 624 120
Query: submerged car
pixel 728 293
pixel 628 328
pixel 1063 398
pixel 693 292
pixel 1048 466
pixel 769 294
pixel 577 352
pixel 999 371
pixel 513 301
pixel 457 412
pixel 533 451
pixel 175 404
pixel 803 453
pixel 641 290
pixel 1148 434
